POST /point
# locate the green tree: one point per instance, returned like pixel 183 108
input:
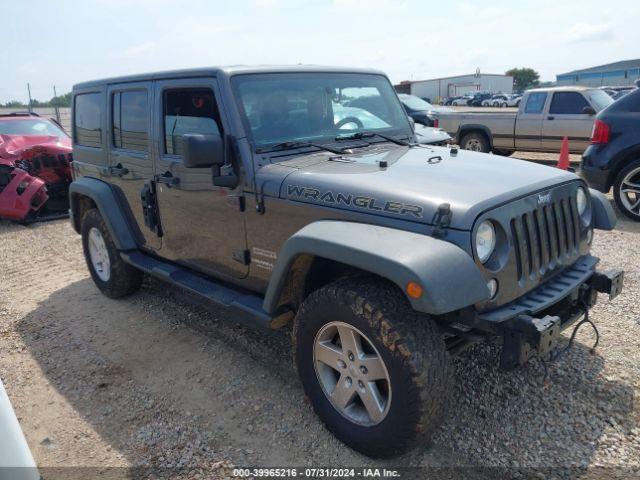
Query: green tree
pixel 13 104
pixel 524 78
pixel 61 100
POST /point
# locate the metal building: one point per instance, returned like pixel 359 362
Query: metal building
pixel 438 88
pixel 611 74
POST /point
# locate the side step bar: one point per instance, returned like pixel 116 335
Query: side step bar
pixel 249 305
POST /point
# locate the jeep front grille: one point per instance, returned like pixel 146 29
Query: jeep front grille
pixel 545 237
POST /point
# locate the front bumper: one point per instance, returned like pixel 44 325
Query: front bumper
pixel 532 325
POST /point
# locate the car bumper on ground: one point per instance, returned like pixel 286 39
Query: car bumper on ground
pixel 532 325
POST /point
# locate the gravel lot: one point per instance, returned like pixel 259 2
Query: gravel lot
pixel 157 381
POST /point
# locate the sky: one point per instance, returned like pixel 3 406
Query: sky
pixel 63 42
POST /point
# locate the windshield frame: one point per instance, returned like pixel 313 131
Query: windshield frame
pixel 402 130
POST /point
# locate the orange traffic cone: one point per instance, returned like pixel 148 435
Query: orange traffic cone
pixel 563 161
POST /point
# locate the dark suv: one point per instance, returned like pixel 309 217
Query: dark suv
pixel 613 158
pixel 266 191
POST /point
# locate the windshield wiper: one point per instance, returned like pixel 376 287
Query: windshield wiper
pixel 361 135
pixel 292 145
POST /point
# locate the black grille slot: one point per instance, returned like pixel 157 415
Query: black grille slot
pixel 545 237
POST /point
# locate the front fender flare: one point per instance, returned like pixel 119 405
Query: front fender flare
pixel 604 218
pixel 447 273
pixel 110 208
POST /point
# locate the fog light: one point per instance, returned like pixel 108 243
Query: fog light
pixel 492 285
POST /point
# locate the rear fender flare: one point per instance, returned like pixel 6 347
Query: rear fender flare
pixel 110 208
pixel 448 274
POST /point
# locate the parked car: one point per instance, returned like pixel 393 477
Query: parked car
pixel 612 160
pixel 446 101
pixel 494 100
pixel 16 461
pixel 478 98
pixel 422 112
pixel 544 117
pixel 461 101
pixel 238 185
pixel 35 171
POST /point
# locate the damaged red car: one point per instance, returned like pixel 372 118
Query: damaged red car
pixel 35 168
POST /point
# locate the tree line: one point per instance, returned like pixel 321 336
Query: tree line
pixel 59 101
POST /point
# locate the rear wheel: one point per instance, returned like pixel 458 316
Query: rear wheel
pixel 626 190
pixel 475 141
pixel 376 372
pixel 110 273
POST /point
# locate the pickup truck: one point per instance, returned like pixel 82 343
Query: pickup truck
pixel 545 116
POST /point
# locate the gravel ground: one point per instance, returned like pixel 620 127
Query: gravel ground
pixel 158 381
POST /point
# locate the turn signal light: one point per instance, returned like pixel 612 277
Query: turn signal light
pixel 436 123
pixel 414 290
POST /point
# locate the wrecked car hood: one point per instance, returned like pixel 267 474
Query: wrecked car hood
pixel 13 147
pixel 414 183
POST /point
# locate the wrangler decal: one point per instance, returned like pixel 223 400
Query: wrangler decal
pixel 360 201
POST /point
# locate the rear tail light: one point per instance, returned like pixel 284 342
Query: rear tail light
pixel 601 131
pixel 436 123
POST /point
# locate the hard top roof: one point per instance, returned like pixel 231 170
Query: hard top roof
pixel 226 71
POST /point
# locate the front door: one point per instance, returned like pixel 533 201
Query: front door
pixel 528 131
pixel 202 225
pixel 130 152
pixel 566 118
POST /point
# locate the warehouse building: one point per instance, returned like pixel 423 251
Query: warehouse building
pixel 439 88
pixel 612 74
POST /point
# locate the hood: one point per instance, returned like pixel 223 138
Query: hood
pixel 13 147
pixel 414 183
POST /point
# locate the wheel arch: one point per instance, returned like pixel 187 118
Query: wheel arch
pixel 328 249
pixel 86 193
pixel 620 161
pixel 475 128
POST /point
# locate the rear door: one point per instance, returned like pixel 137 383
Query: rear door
pixel 566 118
pixel 202 225
pixel 528 127
pixel 130 157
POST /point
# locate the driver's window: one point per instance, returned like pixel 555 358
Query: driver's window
pixel 191 110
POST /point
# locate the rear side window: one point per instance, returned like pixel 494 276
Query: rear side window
pixel 191 110
pixel 535 102
pixel 629 103
pixel 87 116
pixel 130 113
pixel 567 103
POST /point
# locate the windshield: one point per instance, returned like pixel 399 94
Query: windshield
pixel 416 103
pixel 31 127
pixel 317 106
pixel 599 99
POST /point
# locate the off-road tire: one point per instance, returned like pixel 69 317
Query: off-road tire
pixel 124 279
pixel 411 347
pixel 617 185
pixel 480 138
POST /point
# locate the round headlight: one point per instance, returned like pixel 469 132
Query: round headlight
pixel 581 201
pixel 485 240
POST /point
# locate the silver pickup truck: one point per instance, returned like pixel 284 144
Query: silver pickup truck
pixel 544 117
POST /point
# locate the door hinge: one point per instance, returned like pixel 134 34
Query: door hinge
pixel 242 256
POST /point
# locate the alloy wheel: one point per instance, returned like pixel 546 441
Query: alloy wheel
pixel 352 373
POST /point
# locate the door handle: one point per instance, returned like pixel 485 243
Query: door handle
pixel 168 179
pixel 550 117
pixel 118 170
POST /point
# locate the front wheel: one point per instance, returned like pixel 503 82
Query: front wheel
pixel 626 190
pixel 376 372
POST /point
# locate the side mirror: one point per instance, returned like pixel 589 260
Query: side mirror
pixel 412 122
pixel 588 110
pixel 199 151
